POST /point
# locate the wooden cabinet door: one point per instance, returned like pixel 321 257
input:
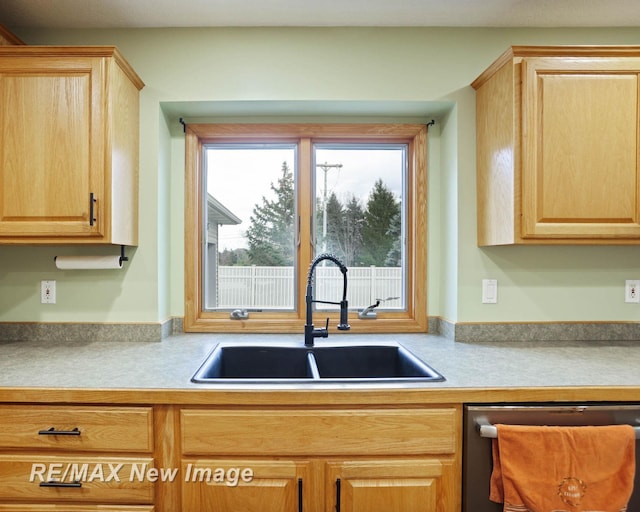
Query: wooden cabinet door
pixel 52 130
pixel 389 485
pixel 275 486
pixel 580 148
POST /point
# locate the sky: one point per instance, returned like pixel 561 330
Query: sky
pixel 239 178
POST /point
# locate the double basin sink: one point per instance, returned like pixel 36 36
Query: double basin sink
pixel 296 363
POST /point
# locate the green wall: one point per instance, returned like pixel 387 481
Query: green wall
pixel 309 74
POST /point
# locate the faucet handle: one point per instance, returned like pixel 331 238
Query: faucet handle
pixel 322 332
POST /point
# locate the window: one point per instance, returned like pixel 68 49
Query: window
pixel 263 200
pixel 249 246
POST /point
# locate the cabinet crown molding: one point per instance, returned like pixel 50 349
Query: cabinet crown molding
pixel 518 52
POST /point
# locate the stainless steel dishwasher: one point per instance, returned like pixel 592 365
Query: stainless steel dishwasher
pixel 479 421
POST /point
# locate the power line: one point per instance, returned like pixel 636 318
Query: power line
pixel 325 167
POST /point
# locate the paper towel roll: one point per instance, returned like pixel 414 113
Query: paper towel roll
pixel 87 262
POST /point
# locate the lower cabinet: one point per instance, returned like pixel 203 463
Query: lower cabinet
pixel 389 485
pixel 267 486
pixel 76 458
pixel 359 460
pixel 297 486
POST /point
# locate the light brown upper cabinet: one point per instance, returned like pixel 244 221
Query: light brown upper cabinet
pixel 558 146
pixel 69 134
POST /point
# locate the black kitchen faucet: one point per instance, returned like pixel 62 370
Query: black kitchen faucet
pixel 323 332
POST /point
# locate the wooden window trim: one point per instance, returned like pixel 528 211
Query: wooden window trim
pixel 413 319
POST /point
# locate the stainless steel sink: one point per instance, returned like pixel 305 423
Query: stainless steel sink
pixel 388 362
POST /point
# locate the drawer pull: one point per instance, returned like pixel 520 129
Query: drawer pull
pixel 53 483
pixel 53 432
pixel 338 494
pixel 300 495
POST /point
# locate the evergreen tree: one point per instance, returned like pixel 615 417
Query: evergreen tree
pixel 353 222
pixel 344 228
pixel 382 208
pixel 394 256
pixel 334 224
pixel 270 233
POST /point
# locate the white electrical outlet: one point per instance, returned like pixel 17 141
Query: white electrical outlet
pixel 47 292
pixel 632 291
pixel 489 291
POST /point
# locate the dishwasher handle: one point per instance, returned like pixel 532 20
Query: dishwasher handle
pixel 490 431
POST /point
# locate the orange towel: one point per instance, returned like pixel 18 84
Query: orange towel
pixel 558 469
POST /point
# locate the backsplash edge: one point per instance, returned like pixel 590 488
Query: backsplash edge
pixel 72 331
pixel 457 331
pixel 537 331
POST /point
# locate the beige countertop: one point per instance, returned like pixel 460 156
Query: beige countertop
pixel 474 371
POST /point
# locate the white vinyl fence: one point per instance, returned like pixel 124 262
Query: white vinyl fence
pixel 273 287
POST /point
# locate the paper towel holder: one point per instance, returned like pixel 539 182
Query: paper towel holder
pixel 122 257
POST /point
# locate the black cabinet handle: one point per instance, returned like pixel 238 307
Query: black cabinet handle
pixel 337 495
pixel 299 494
pixel 92 201
pixel 53 483
pixel 53 432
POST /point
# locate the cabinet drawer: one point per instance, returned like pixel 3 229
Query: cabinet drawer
pixel 113 429
pixel 85 479
pixel 319 431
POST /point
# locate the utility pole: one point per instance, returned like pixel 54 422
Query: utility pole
pixel 325 167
